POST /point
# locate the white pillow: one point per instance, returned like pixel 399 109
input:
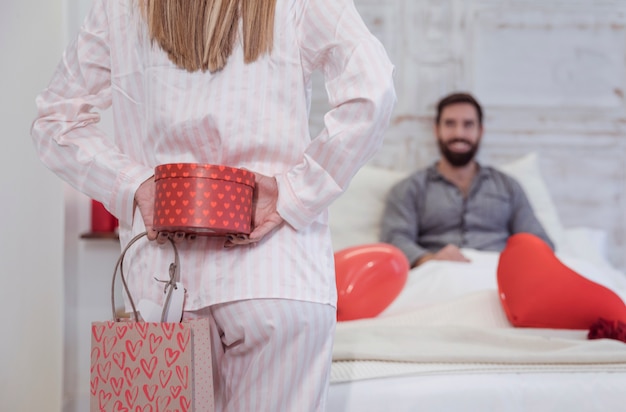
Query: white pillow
pixel 586 243
pixel 526 171
pixel 355 216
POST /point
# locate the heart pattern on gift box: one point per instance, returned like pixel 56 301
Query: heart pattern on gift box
pixel 203 199
pixel 140 367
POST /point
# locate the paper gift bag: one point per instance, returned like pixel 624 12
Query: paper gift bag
pixel 140 366
pixel 151 366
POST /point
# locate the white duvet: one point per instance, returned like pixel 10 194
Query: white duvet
pixel 448 318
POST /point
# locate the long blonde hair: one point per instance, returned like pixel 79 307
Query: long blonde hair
pixel 200 34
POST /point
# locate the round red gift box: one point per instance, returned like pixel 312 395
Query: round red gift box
pixel 203 199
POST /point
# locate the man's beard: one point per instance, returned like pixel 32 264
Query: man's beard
pixel 457 159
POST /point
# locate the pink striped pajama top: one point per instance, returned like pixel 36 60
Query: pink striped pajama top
pixel 253 116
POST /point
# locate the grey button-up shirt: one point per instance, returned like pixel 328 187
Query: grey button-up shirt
pixel 425 212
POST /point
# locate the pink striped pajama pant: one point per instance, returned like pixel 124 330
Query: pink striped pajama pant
pixel 270 355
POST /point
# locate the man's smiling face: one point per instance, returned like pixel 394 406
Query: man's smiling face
pixel 458 133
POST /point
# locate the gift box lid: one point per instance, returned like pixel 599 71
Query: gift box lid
pixel 206 171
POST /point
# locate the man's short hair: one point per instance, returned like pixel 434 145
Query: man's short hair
pixel 456 98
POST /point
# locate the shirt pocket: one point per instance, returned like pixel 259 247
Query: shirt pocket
pixel 490 211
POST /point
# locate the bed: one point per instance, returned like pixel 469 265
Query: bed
pixel 445 344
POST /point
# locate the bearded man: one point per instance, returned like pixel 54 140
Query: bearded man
pixel 456 202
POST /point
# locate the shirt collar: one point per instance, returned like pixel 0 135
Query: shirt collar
pixel 433 174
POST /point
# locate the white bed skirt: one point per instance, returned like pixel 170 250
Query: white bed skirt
pixel 483 392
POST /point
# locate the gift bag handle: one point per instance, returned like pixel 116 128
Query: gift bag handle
pixel 170 284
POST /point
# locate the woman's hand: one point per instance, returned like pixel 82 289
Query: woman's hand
pixel 144 199
pixel 265 218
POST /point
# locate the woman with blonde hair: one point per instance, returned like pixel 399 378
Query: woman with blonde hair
pixel 228 82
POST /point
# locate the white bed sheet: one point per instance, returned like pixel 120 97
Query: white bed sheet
pixel 374 380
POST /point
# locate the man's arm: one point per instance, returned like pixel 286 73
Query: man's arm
pixel 400 223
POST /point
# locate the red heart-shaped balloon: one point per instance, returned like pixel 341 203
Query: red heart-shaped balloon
pixel 369 277
pixel 537 290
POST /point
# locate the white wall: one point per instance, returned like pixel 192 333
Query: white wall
pixel 31 206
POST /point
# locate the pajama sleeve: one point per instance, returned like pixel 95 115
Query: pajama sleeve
pixel 66 133
pixel 358 77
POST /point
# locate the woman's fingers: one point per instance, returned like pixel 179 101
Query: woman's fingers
pixel 270 223
pixel 178 237
pixel 162 237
